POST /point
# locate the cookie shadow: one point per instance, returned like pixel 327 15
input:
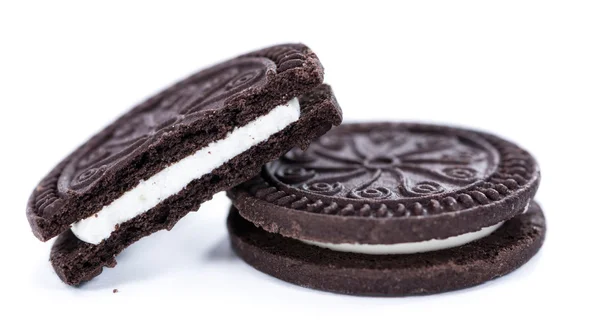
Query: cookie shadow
pixel 141 261
pixel 137 264
pixel 221 251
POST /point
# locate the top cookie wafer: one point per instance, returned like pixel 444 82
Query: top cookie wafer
pixel 386 183
pixel 168 127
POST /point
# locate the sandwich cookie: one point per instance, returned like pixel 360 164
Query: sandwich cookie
pixel 391 209
pixel 163 158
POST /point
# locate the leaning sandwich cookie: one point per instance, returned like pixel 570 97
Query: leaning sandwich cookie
pixel 391 209
pixel 169 154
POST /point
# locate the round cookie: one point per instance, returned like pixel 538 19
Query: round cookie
pixel 391 209
pixel 296 262
pixel 163 158
pixel 390 183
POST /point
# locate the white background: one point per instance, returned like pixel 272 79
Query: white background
pixel 526 70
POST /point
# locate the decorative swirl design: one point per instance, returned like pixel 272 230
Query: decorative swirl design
pixel 323 188
pixel 427 188
pixel 463 173
pixel 371 193
pixel 87 177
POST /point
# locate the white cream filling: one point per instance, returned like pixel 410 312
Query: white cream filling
pixel 409 248
pixel 174 178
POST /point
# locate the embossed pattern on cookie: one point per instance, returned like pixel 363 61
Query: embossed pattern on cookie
pixel 409 176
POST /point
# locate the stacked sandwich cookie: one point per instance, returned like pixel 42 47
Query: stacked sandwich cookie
pixel 391 209
pixel 163 158
pixel 363 209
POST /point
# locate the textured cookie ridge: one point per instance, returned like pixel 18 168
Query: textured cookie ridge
pixel 287 56
pixel 516 168
pixel 45 196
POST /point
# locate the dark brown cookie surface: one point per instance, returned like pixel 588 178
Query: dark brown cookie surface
pixel 385 183
pixel 509 247
pixel 76 261
pixel 168 127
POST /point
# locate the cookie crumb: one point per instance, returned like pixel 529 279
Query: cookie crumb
pixel 115 291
